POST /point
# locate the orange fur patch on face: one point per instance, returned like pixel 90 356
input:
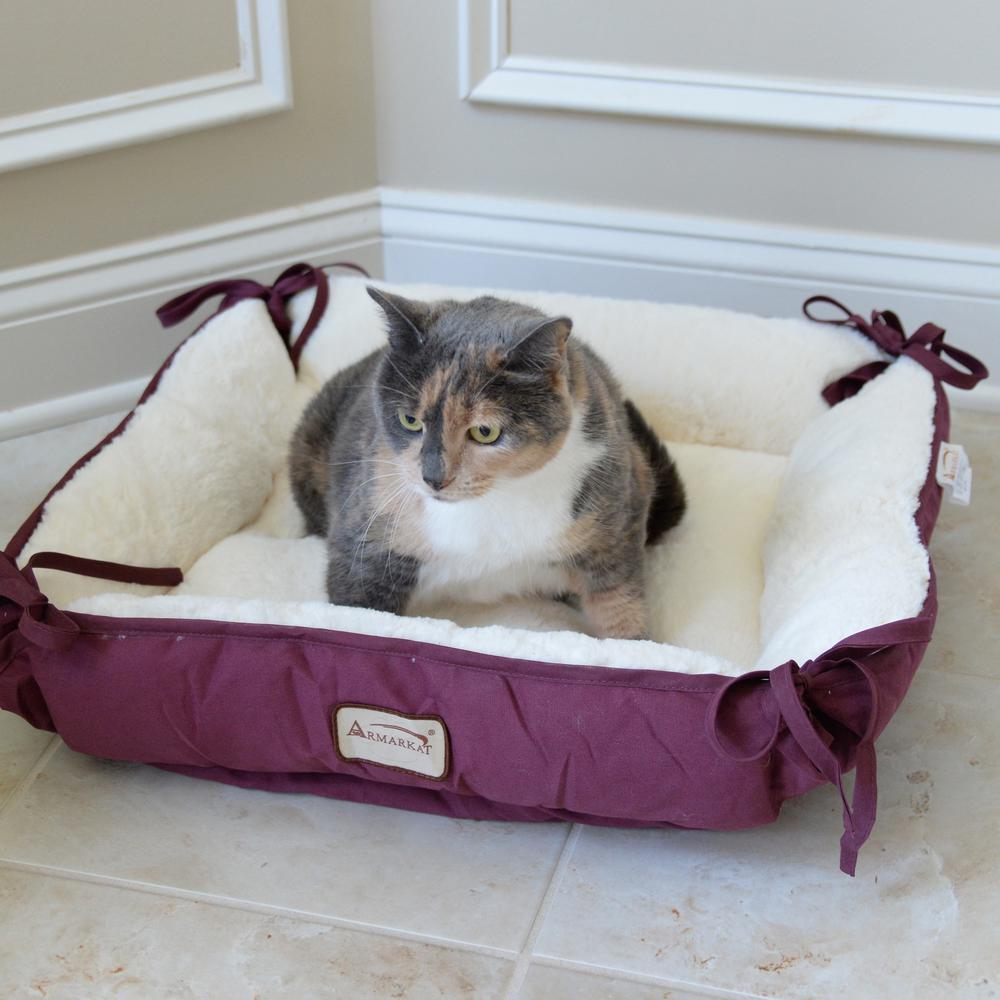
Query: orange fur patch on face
pixel 434 386
pixel 471 468
pixel 493 359
pixel 464 461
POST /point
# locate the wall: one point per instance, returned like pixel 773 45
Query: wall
pixel 720 153
pixel 91 244
pixel 324 145
pixel 867 184
pixel 57 52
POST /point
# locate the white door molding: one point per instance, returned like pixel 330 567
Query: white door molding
pixel 260 85
pixel 490 74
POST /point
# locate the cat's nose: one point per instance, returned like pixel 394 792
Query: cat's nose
pixel 437 483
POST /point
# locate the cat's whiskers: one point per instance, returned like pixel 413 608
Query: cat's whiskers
pixel 379 385
pixel 371 521
pixel 356 461
pixel 392 533
pixel 364 483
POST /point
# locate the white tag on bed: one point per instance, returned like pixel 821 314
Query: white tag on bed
pixel 416 744
pixel 954 473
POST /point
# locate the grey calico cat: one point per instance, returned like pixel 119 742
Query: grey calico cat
pixel 481 454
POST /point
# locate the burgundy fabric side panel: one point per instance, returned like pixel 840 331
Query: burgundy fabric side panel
pixel 19 691
pixel 628 745
pixel 533 739
pixel 425 800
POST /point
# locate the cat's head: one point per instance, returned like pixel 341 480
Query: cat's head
pixel 470 393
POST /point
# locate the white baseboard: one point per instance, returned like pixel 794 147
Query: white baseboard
pixel 70 283
pixel 80 336
pixel 64 410
pixel 985 398
pixel 79 332
pixel 518 243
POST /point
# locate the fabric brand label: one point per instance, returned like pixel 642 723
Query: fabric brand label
pixel 954 473
pixel 416 744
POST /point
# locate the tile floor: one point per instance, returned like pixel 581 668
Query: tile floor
pixel 118 880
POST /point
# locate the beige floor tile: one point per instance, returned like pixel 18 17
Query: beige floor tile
pixel 68 940
pixel 548 983
pixel 30 466
pixel 768 912
pixel 965 548
pixel 456 879
pixel 20 748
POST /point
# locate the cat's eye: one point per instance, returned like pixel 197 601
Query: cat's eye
pixel 409 421
pixel 484 434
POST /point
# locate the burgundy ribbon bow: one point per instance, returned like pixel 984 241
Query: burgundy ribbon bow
pixel 41 622
pixel 925 347
pixel 37 620
pixel 789 689
pixel 290 282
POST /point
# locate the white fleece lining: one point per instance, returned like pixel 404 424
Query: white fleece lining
pixel 799 531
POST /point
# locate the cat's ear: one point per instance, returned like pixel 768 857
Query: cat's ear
pixel 542 349
pixel 407 319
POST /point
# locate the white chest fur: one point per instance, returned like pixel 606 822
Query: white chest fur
pixel 506 541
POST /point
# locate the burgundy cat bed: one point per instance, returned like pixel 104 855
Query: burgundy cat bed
pixel 789 609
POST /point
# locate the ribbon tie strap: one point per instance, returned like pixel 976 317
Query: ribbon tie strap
pixel 926 346
pixel 290 282
pixel 40 621
pixel 789 687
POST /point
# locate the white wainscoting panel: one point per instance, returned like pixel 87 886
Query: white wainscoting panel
pixel 489 73
pixel 260 85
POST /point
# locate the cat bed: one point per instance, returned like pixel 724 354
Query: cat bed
pixel 789 609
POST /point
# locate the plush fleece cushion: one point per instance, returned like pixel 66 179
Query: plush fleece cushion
pixel 799 530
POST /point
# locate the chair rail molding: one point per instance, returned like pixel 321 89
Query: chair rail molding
pixel 260 85
pixel 489 73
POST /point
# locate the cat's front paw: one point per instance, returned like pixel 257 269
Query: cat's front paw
pixel 644 634
pixel 618 613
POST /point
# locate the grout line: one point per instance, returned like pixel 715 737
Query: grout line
pixel 251 906
pixel 25 783
pixel 524 958
pixel 645 979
